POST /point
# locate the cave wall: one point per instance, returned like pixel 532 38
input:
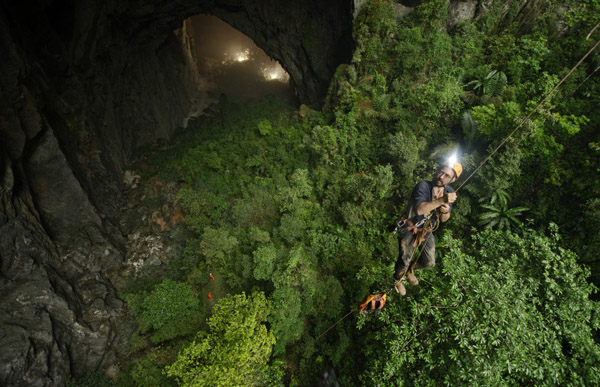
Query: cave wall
pixel 77 97
pixel 82 85
pixel 308 38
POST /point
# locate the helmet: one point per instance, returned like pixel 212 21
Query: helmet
pixel 457 168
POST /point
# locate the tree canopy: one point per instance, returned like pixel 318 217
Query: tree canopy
pixel 503 309
pixel 235 350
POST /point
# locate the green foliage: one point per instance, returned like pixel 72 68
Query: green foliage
pixel 524 61
pixel 586 12
pixel 169 310
pixel 373 34
pixel 287 319
pixel 257 206
pixel 328 144
pixel 217 245
pixel 167 302
pixel 503 309
pixel 293 196
pixel 264 261
pixel 500 216
pixel 491 85
pixel 264 127
pixel 202 207
pixel 148 371
pixel 589 238
pixel 403 155
pixel 498 213
pixel 235 350
pixel 494 122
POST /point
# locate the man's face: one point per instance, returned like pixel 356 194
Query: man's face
pixel 443 176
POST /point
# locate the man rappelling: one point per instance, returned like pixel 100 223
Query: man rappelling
pixel 429 204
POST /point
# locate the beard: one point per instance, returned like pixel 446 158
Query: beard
pixel 438 182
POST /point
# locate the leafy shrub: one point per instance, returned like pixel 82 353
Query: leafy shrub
pixel 264 127
pixel 264 260
pixel 168 311
pixel 235 351
pixel 216 245
pixel 502 309
pixel 148 371
pixel 203 208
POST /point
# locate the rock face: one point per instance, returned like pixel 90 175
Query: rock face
pixel 82 85
pixel 460 10
pixel 309 38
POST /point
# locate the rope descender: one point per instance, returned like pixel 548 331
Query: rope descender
pixel 372 303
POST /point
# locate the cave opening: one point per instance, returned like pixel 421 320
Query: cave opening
pixel 229 64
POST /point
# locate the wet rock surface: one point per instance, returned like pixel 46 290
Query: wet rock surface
pixel 59 314
pixel 151 213
pixel 71 113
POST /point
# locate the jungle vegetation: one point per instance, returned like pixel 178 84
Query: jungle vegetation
pixel 291 214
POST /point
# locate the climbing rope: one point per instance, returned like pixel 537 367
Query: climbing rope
pixel 533 111
pixel 336 323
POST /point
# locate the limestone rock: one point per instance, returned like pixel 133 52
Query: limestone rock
pixel 460 10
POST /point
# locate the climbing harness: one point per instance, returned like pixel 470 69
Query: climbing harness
pixel 403 222
pixel 421 229
pixel 429 226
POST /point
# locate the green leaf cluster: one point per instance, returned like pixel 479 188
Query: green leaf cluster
pixel 235 350
pixel 498 213
pixel 168 311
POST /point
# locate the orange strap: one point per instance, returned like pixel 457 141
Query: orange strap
pixel 369 302
pixel 415 231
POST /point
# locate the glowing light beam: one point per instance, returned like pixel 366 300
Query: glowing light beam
pixel 242 56
pixel 452 159
pixel 235 55
pixel 275 73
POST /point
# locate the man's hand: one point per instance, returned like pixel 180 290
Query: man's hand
pixel 450 197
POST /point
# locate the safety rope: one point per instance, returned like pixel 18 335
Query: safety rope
pixel 534 110
pixel 336 323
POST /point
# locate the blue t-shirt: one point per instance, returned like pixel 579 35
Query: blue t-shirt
pixel 423 192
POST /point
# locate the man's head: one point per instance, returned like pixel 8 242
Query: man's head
pixel 447 174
